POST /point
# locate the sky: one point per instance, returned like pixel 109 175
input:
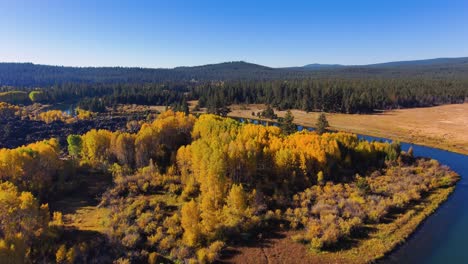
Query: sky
pixel 170 33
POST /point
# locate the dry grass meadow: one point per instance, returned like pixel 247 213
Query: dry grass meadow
pixel 444 127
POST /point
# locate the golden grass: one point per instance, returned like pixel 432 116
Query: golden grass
pixel 88 218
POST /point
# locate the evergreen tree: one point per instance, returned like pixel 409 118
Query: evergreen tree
pixel 322 124
pixel 269 113
pixel 287 124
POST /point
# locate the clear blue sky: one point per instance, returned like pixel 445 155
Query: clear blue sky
pixel 168 33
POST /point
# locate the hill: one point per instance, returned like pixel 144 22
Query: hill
pixel 318 66
pixel 33 75
pixel 29 74
pixel 463 61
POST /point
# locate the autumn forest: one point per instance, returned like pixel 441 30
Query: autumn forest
pixel 187 188
pixel 233 132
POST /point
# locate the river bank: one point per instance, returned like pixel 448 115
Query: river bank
pixel 388 242
pixel 444 127
pixel 376 244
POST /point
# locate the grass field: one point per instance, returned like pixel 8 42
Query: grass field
pixel 80 208
pixel 444 127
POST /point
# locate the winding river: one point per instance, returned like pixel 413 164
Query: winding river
pixel 443 236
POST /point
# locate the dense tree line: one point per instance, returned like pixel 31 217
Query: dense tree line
pixel 14 97
pixel 31 75
pixel 335 95
pixel 96 97
pixel 33 167
pixel 329 95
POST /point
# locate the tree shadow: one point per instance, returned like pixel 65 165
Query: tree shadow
pixel 94 246
pixel 87 193
pixel 353 240
pixel 263 239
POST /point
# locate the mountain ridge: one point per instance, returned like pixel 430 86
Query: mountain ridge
pixel 440 60
pixel 29 74
pixel 420 62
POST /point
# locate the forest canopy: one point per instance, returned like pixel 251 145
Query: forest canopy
pixel 350 89
pixel 329 95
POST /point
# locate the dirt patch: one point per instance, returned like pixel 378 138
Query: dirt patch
pixel 269 248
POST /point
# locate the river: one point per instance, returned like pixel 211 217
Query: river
pixel 67 108
pixel 443 237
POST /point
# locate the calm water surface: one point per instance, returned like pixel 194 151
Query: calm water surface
pixel 66 108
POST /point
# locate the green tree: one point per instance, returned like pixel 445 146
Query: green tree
pixel 269 113
pixel 185 107
pixel 287 124
pixel 36 96
pixel 322 124
pixel 75 144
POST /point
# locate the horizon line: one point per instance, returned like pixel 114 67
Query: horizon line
pixel 233 61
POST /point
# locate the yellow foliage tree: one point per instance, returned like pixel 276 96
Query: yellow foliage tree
pixel 236 208
pixel 31 167
pixel 190 219
pixel 96 147
pixel 22 221
pixel 54 115
pixel 123 148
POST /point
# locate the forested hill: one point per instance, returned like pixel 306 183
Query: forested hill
pixel 32 75
pixel 28 74
pixel 438 62
pixel 440 68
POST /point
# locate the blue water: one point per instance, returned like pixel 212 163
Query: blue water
pixel 66 108
pixel 443 237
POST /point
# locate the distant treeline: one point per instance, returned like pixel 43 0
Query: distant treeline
pixel 96 97
pixel 335 95
pixel 33 75
pixel 330 95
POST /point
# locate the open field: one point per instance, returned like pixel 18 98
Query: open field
pixel 80 208
pixel 444 127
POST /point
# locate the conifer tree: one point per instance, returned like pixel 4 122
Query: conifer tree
pixel 322 124
pixel 287 124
